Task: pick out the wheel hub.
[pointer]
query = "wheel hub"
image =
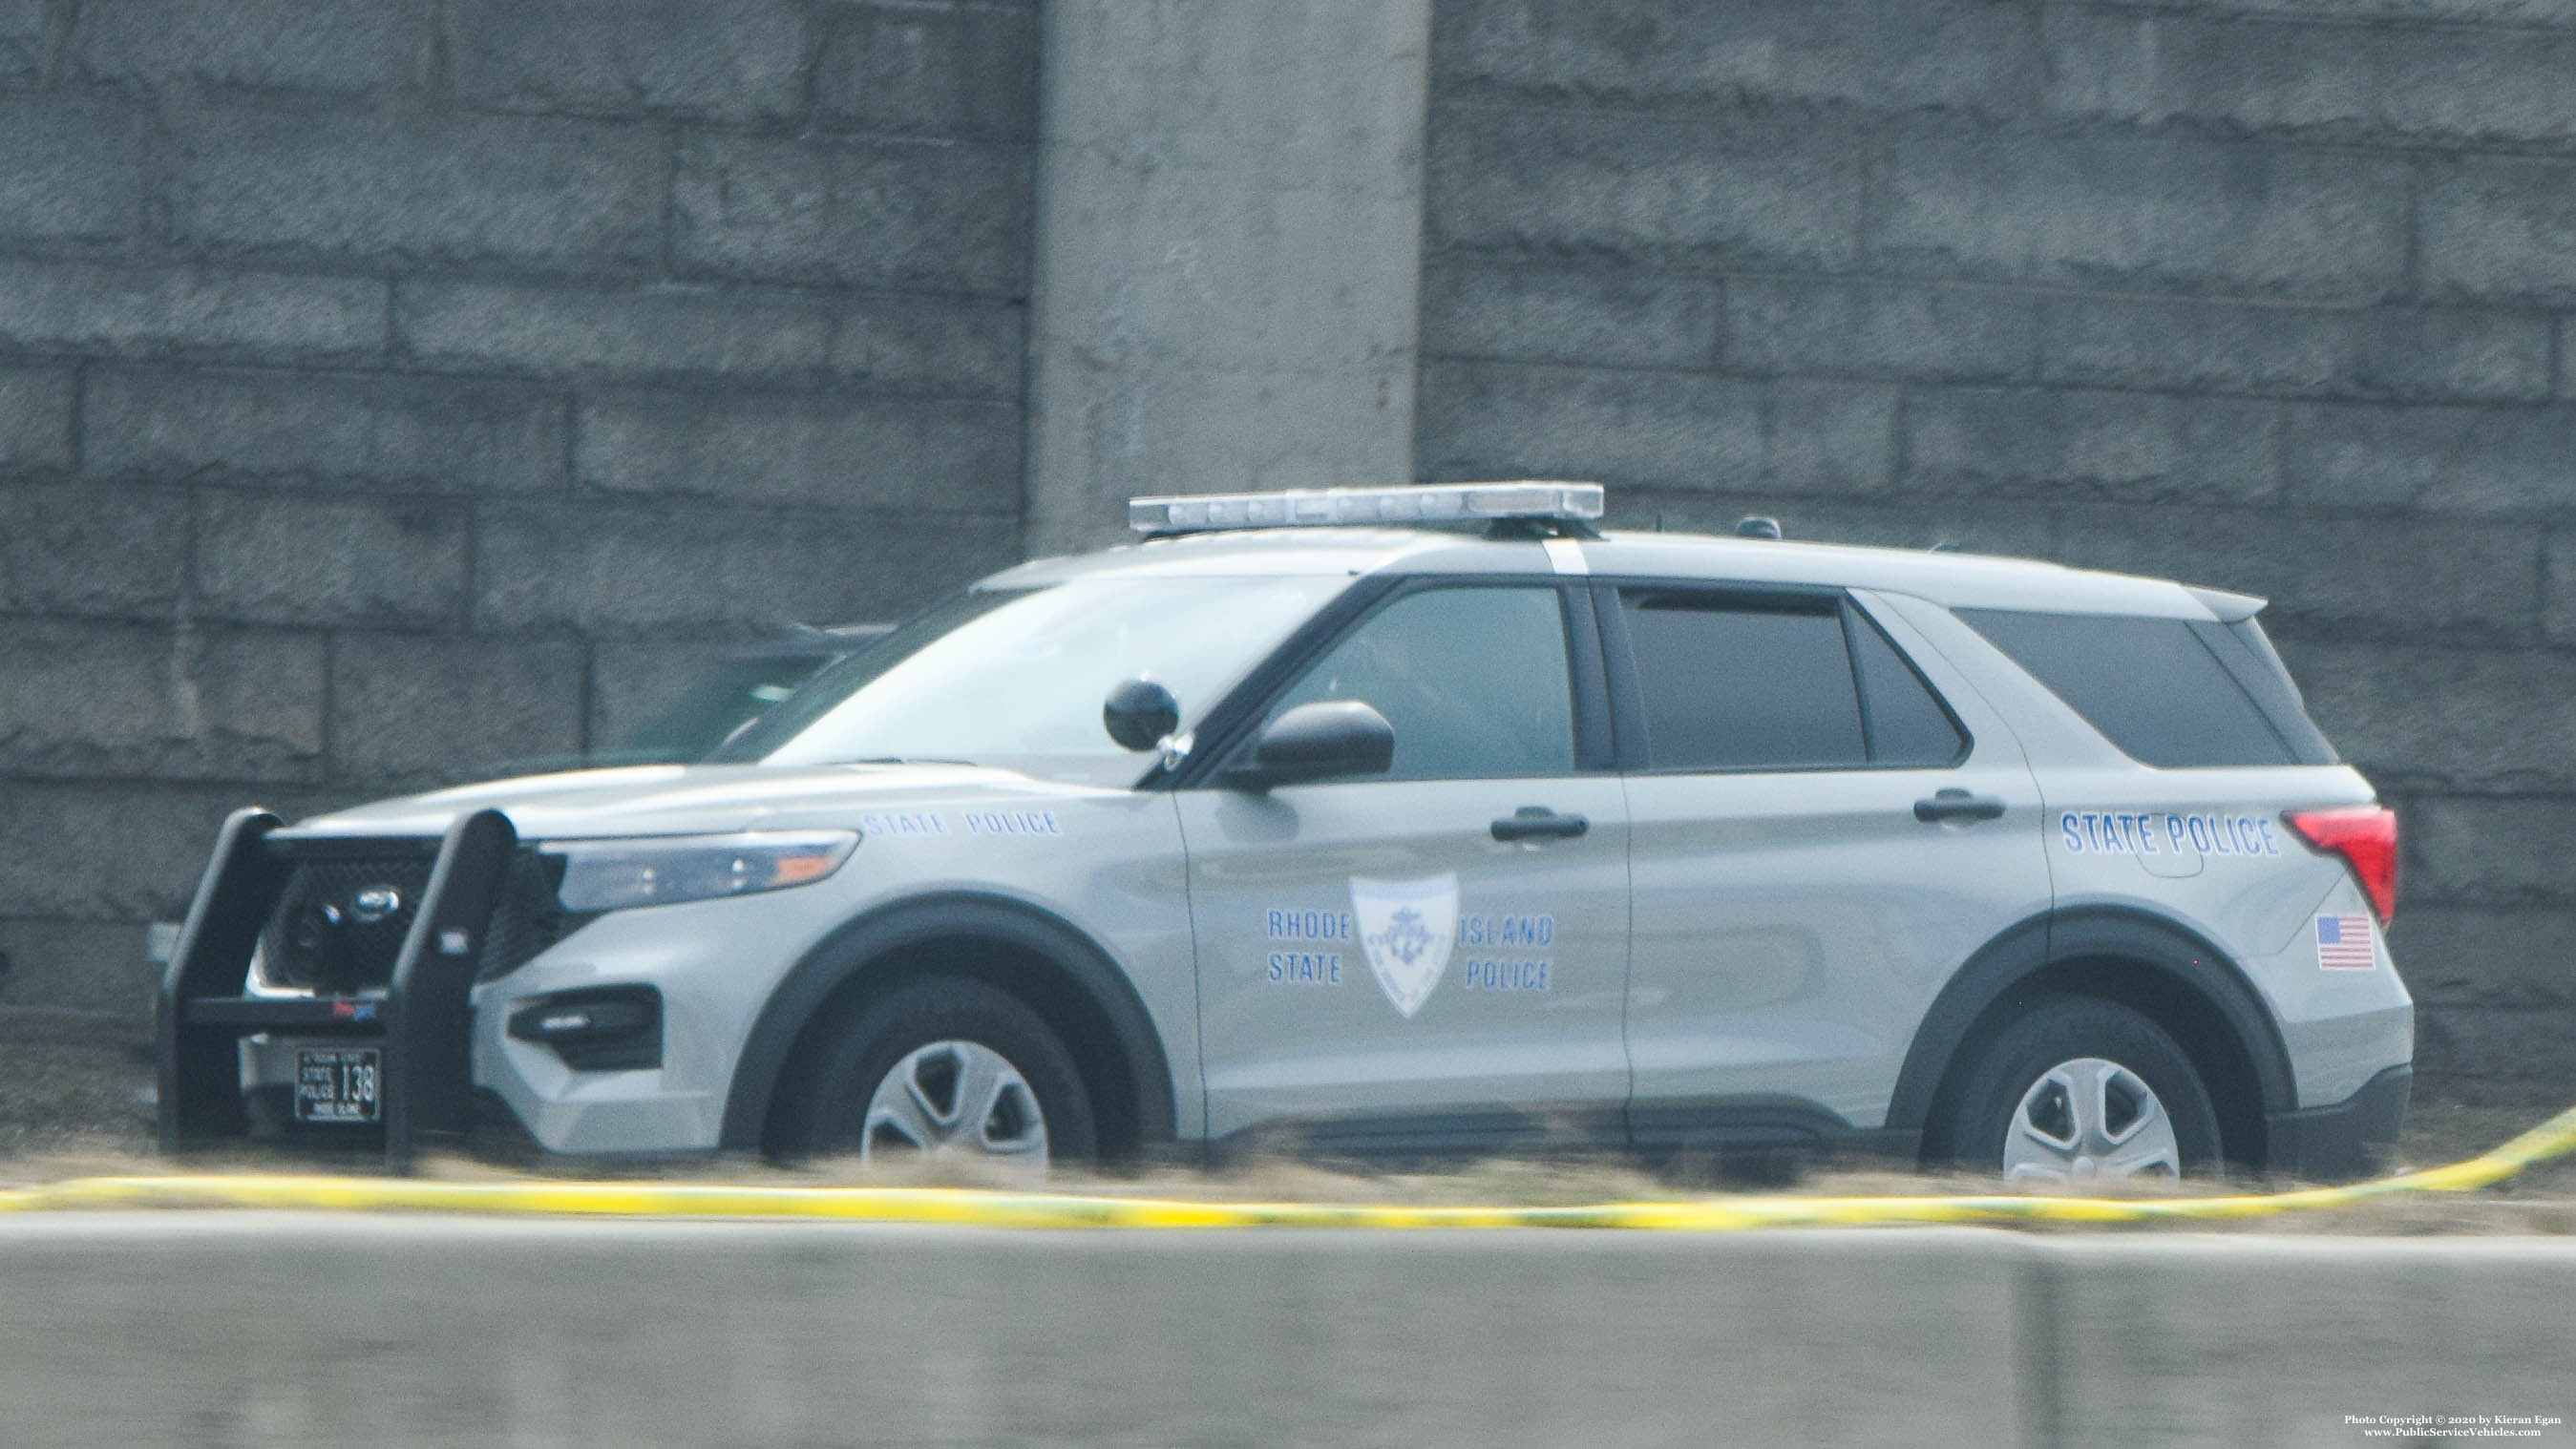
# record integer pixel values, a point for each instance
(2090, 1120)
(955, 1101)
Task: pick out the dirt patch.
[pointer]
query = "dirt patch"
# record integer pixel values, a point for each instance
(76, 1099)
(73, 1085)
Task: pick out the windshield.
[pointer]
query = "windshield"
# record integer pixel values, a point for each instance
(1016, 677)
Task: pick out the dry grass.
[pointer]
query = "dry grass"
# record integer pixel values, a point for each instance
(75, 1101)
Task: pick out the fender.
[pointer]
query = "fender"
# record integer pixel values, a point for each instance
(2058, 938)
(849, 950)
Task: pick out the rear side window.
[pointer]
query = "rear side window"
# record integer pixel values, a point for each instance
(1737, 682)
(2160, 689)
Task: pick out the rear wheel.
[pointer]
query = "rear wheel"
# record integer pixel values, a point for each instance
(945, 1070)
(2079, 1091)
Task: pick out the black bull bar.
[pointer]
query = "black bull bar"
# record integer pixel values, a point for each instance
(423, 1025)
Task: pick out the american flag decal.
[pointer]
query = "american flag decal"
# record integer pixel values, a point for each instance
(2343, 943)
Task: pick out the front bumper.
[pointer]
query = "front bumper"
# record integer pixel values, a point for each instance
(2351, 1139)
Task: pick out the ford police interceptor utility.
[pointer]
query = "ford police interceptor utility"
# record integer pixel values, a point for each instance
(1410, 820)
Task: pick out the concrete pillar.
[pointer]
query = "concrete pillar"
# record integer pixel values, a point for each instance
(1228, 262)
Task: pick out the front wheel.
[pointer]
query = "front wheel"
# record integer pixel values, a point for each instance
(2079, 1091)
(945, 1070)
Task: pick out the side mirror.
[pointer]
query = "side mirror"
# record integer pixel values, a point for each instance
(1318, 741)
(1139, 713)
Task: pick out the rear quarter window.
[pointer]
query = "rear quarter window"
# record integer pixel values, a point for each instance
(2159, 688)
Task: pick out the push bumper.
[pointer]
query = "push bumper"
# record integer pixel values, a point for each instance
(2350, 1139)
(417, 1032)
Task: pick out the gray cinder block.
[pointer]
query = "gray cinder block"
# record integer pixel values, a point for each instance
(294, 45)
(300, 558)
(409, 708)
(2291, 349)
(735, 60)
(353, 430)
(1682, 187)
(965, 70)
(417, 186)
(83, 698)
(1605, 316)
(71, 168)
(2475, 460)
(90, 549)
(615, 568)
(867, 211)
(849, 452)
(1911, 330)
(2130, 446)
(188, 309)
(2145, 211)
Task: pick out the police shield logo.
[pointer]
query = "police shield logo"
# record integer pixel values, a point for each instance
(1407, 927)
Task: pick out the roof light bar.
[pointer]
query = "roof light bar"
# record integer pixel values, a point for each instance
(1312, 507)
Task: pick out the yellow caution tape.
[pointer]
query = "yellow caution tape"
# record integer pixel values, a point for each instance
(2552, 1138)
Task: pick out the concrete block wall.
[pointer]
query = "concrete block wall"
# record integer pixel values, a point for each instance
(392, 385)
(2268, 294)
(389, 386)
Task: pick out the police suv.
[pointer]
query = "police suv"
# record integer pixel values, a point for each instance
(1419, 820)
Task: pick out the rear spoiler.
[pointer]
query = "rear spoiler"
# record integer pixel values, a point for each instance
(2230, 608)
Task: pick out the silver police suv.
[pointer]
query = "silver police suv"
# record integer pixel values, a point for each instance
(1414, 821)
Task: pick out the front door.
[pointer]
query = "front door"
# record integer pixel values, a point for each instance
(1434, 959)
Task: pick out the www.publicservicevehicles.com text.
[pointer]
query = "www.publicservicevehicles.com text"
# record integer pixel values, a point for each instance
(2452, 1426)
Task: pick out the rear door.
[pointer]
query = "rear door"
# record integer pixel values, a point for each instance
(1379, 966)
(1825, 823)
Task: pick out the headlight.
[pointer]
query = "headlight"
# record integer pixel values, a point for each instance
(611, 875)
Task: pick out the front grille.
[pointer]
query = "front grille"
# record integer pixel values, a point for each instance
(321, 938)
(530, 917)
(330, 935)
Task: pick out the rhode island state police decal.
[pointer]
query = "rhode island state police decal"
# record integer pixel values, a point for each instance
(1407, 927)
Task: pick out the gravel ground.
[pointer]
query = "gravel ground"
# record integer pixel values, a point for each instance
(73, 1085)
(76, 1099)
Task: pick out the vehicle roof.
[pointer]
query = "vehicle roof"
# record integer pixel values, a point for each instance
(1954, 580)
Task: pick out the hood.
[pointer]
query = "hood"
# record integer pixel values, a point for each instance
(684, 799)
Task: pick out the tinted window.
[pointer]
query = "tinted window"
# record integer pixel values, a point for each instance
(1908, 727)
(1743, 684)
(1474, 680)
(2149, 685)
(2250, 657)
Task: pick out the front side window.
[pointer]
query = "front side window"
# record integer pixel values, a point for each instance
(1474, 680)
(1016, 678)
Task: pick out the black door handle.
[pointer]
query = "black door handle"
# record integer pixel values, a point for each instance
(1534, 822)
(1957, 805)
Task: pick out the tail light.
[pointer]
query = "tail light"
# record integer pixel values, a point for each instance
(2366, 837)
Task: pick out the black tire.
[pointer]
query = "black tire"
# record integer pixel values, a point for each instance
(828, 1108)
(1988, 1089)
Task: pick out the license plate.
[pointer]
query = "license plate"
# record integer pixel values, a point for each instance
(337, 1084)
